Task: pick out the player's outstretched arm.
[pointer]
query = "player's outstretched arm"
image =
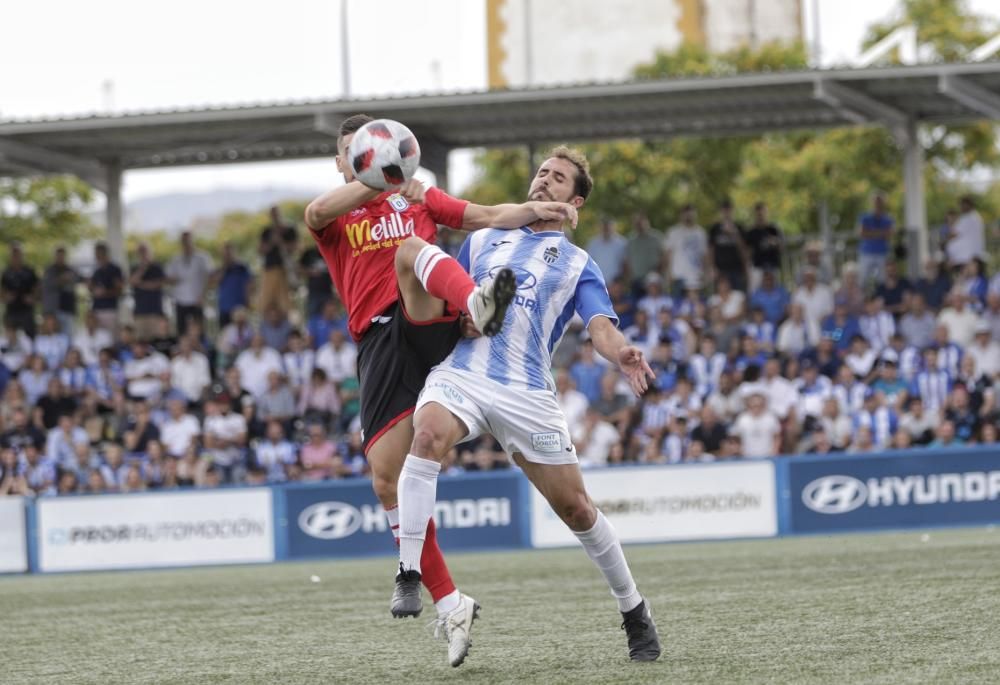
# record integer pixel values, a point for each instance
(337, 202)
(611, 344)
(515, 216)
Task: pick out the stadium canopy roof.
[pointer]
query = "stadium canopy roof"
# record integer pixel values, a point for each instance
(99, 147)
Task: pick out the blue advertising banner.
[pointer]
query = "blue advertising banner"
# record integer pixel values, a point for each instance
(344, 519)
(916, 488)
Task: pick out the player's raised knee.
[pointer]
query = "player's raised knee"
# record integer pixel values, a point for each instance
(406, 254)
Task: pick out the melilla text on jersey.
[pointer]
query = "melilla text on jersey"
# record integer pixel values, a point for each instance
(388, 231)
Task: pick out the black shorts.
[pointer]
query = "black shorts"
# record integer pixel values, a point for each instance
(394, 359)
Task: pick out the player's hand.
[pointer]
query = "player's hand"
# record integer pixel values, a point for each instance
(633, 364)
(413, 190)
(557, 211)
(468, 328)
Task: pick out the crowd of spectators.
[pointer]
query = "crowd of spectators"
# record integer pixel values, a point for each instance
(215, 375)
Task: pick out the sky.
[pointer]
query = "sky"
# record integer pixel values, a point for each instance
(59, 56)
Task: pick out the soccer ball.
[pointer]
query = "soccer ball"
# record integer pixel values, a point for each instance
(383, 154)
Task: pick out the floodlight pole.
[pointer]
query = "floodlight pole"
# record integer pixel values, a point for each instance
(345, 53)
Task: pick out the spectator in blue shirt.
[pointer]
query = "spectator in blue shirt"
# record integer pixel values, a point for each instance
(875, 230)
(234, 282)
(840, 327)
(772, 297)
(587, 372)
(332, 319)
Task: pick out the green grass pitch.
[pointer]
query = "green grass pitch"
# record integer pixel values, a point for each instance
(883, 608)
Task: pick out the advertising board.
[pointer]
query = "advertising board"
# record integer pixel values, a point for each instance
(154, 530)
(657, 504)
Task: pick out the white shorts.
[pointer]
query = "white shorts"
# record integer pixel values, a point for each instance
(526, 421)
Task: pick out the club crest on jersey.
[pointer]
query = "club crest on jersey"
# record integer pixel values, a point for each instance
(550, 255)
(398, 202)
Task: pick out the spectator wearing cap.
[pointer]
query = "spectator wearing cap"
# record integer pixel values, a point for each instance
(907, 357)
(985, 352)
(917, 324)
(815, 297)
(685, 249)
(766, 243)
(728, 253)
(188, 273)
(181, 429)
(934, 285)
(876, 417)
(757, 428)
(654, 298)
(876, 324)
(147, 279)
(895, 290)
(771, 297)
(812, 388)
(875, 230)
(19, 290)
(931, 384)
(893, 388)
(958, 318)
(608, 250)
(813, 257)
(968, 236)
(644, 253)
(840, 327)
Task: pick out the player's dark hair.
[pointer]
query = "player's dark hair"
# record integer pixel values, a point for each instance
(352, 123)
(583, 183)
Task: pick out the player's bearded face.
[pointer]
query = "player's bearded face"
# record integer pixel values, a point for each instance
(554, 181)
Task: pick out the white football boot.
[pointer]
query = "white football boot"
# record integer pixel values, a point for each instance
(489, 301)
(457, 629)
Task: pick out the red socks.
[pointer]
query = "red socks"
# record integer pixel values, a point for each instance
(444, 278)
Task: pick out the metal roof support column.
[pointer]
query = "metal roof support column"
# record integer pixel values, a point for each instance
(113, 213)
(914, 207)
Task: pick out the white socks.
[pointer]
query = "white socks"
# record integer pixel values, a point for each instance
(426, 260)
(417, 494)
(393, 517)
(602, 546)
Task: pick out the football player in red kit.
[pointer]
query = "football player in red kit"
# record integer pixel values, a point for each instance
(400, 331)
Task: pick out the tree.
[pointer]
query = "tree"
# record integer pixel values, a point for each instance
(792, 171)
(43, 212)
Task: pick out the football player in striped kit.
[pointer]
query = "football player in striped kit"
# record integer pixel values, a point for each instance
(502, 385)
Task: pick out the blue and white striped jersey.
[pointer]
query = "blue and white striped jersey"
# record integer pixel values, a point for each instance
(555, 280)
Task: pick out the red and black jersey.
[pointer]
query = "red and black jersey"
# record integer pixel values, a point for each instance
(359, 248)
